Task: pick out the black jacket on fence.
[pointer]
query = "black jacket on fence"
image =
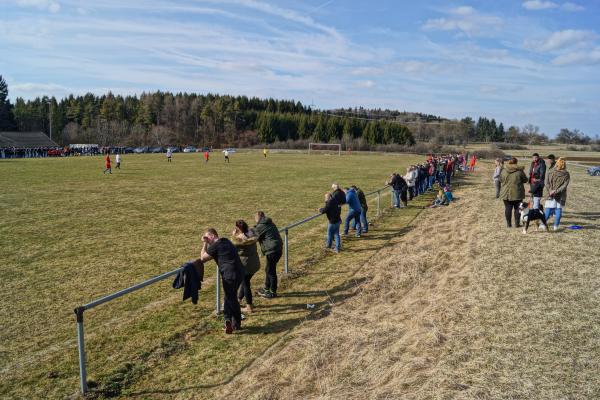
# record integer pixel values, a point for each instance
(332, 210)
(190, 278)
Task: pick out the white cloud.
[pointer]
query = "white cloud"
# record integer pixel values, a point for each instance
(467, 20)
(539, 5)
(365, 84)
(45, 5)
(572, 7)
(39, 87)
(535, 5)
(591, 57)
(562, 40)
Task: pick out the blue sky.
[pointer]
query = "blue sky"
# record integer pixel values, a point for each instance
(520, 62)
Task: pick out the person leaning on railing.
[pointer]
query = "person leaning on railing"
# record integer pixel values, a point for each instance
(333, 211)
(232, 274)
(245, 240)
(271, 246)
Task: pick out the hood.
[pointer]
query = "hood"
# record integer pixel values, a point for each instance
(243, 240)
(265, 220)
(510, 168)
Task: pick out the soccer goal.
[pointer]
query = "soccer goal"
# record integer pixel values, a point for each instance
(325, 148)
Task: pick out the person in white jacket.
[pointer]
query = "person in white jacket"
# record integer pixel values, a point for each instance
(411, 179)
(118, 160)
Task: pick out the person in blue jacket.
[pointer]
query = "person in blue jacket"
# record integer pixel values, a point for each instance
(354, 211)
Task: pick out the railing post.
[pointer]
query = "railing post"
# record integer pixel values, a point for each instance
(286, 251)
(81, 346)
(378, 202)
(218, 293)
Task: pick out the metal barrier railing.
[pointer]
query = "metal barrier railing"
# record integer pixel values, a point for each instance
(81, 309)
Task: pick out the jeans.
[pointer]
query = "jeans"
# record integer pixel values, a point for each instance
(441, 177)
(448, 177)
(246, 290)
(353, 214)
(363, 221)
(509, 208)
(536, 202)
(557, 212)
(333, 232)
(497, 185)
(271, 271)
(396, 194)
(431, 181)
(231, 307)
(411, 192)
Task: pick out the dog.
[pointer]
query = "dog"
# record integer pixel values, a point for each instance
(532, 214)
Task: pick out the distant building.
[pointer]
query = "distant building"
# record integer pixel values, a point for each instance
(26, 140)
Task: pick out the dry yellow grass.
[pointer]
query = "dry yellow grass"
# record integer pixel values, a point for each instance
(460, 307)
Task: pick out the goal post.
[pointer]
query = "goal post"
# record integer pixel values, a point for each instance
(325, 147)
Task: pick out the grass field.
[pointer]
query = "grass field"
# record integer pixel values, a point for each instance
(69, 234)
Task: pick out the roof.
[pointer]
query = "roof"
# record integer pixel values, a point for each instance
(25, 139)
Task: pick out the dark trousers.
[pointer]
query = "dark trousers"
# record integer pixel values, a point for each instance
(231, 307)
(246, 290)
(497, 184)
(271, 271)
(511, 207)
(404, 197)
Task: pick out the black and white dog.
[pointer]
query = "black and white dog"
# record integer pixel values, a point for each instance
(532, 214)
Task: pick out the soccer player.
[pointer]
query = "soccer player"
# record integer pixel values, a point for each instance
(226, 154)
(169, 155)
(118, 160)
(205, 156)
(107, 160)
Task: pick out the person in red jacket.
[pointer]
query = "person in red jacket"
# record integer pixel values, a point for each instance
(472, 163)
(205, 156)
(108, 164)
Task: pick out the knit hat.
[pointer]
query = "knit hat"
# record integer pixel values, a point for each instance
(561, 164)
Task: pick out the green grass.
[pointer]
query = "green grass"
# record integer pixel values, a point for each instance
(69, 234)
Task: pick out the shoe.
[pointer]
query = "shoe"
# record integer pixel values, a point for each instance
(542, 228)
(357, 236)
(262, 291)
(524, 231)
(269, 295)
(228, 327)
(243, 317)
(509, 225)
(555, 228)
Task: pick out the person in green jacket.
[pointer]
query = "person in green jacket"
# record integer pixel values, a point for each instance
(245, 239)
(271, 246)
(512, 190)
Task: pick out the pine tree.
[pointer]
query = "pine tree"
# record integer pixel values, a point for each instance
(6, 118)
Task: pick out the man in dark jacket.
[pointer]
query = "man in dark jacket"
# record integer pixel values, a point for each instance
(365, 207)
(399, 187)
(537, 176)
(338, 194)
(271, 246)
(333, 211)
(232, 274)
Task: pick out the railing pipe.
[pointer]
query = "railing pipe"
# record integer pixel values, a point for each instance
(286, 251)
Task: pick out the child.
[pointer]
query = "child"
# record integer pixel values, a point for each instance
(205, 156)
(118, 160)
(440, 200)
(448, 194)
(169, 155)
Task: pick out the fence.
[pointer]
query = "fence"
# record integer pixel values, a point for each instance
(81, 309)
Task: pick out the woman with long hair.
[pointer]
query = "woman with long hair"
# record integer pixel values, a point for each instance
(245, 241)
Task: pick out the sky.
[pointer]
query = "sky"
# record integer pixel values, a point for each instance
(520, 62)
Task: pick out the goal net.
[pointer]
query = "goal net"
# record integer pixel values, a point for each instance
(325, 148)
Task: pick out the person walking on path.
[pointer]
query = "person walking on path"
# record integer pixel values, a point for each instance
(245, 241)
(354, 211)
(333, 211)
(512, 191)
(537, 175)
(558, 181)
(496, 176)
(271, 246)
(232, 274)
(107, 164)
(118, 161)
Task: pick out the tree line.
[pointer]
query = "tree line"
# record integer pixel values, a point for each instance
(164, 118)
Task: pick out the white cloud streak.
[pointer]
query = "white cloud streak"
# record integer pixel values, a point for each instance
(467, 20)
(44, 5)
